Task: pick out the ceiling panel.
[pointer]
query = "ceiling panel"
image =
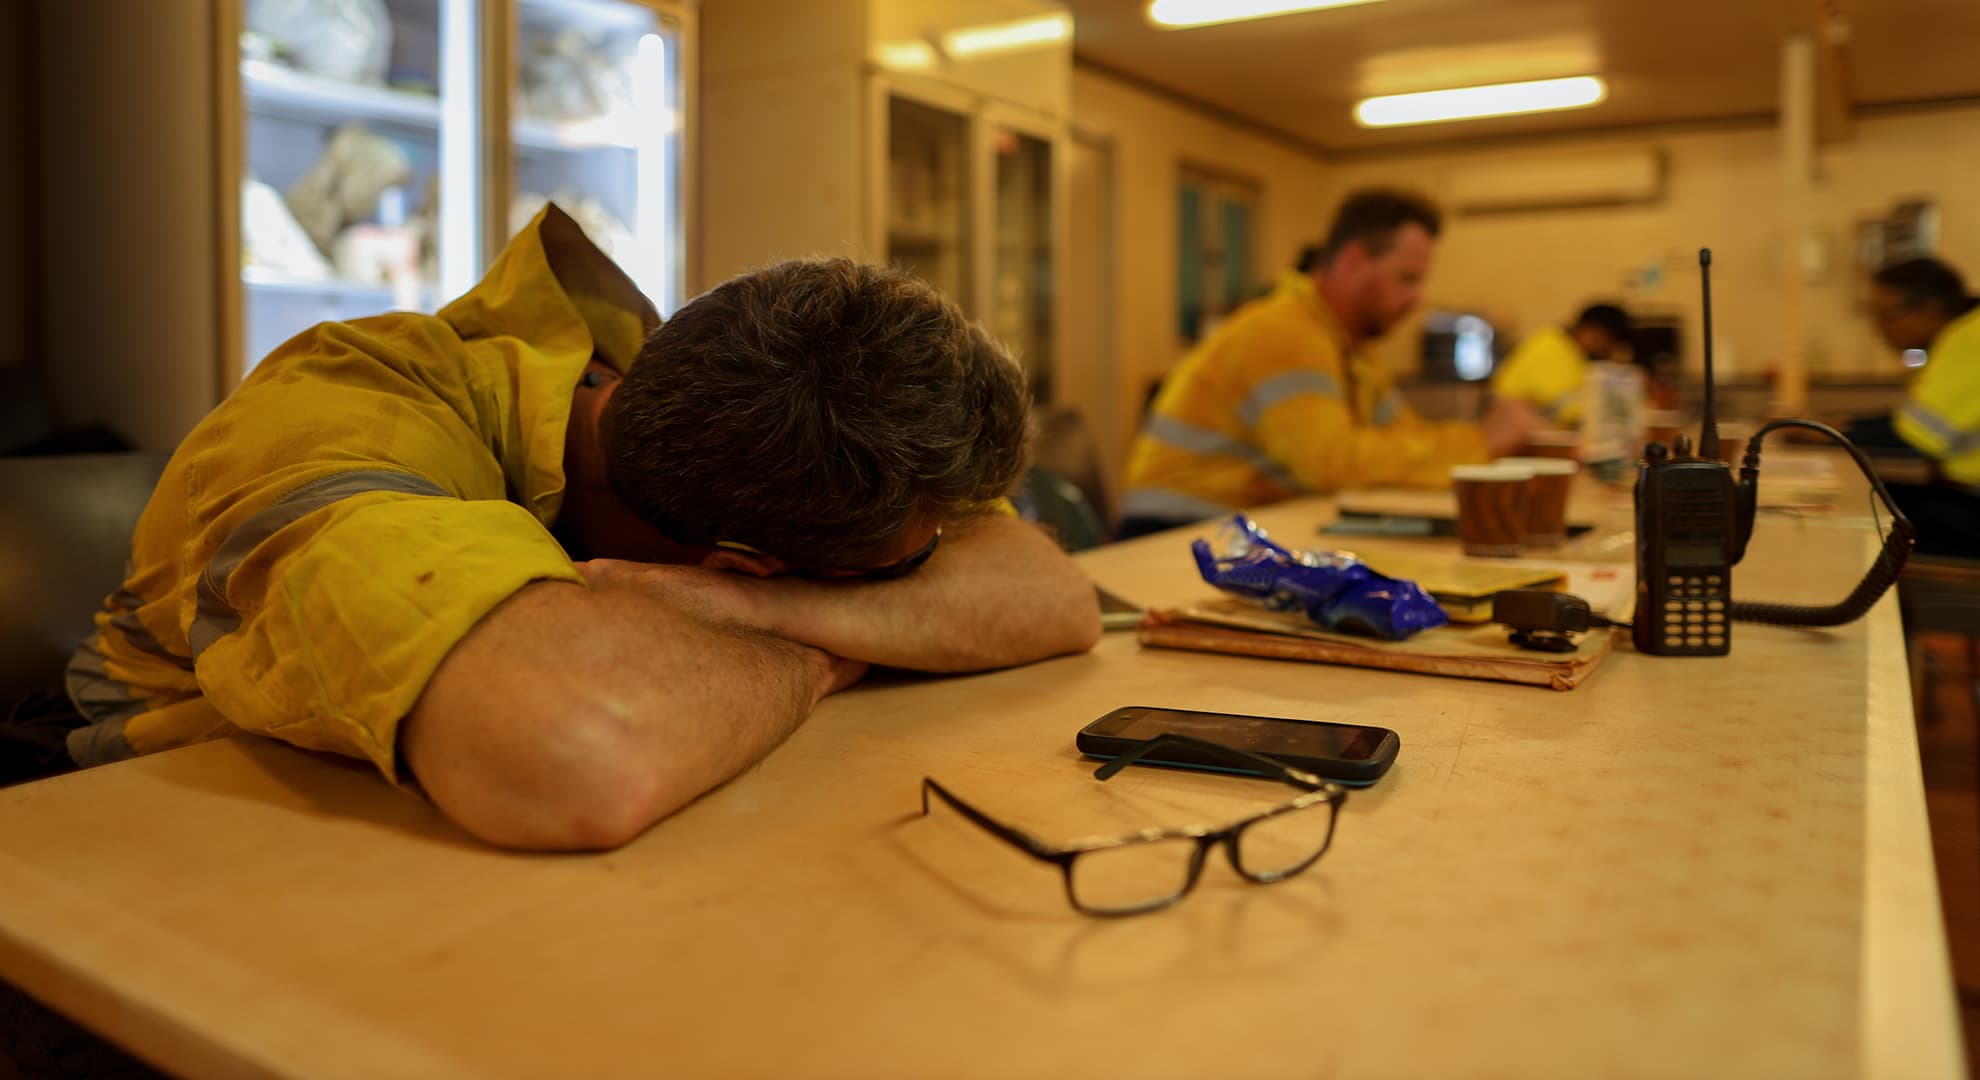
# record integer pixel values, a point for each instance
(1675, 60)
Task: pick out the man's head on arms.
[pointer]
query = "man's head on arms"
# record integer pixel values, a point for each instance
(1377, 255)
(1911, 301)
(829, 414)
(1600, 330)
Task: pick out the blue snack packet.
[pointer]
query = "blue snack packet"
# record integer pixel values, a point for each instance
(1336, 590)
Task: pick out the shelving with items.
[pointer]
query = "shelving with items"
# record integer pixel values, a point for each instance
(370, 127)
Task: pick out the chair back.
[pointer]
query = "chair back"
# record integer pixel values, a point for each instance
(1066, 448)
(65, 538)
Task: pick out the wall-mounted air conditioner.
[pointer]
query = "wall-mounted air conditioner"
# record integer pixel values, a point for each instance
(1554, 181)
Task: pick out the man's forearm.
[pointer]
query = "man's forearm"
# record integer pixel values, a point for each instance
(997, 593)
(575, 718)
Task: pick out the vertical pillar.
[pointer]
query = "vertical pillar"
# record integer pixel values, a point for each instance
(1798, 100)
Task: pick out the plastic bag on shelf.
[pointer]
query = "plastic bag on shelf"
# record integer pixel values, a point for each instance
(572, 75)
(271, 238)
(342, 187)
(347, 40)
(382, 255)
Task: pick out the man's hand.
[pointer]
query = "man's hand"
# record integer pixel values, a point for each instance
(998, 592)
(1509, 424)
(716, 597)
(709, 595)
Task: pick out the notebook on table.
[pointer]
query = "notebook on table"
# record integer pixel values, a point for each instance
(1404, 513)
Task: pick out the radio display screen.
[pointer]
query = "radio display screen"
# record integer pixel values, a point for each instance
(1694, 555)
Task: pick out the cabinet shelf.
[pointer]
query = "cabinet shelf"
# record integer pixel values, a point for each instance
(573, 136)
(597, 16)
(273, 284)
(275, 91)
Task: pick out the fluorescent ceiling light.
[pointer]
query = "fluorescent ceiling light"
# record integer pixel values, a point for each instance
(1005, 37)
(1176, 14)
(1406, 71)
(906, 55)
(1469, 102)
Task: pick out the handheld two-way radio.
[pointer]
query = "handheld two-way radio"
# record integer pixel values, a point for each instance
(1689, 533)
(1693, 522)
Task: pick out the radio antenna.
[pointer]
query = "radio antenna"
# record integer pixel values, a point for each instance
(1708, 433)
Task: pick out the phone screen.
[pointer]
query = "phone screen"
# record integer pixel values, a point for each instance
(1259, 734)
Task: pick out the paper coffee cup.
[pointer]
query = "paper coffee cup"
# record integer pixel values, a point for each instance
(1491, 502)
(1546, 499)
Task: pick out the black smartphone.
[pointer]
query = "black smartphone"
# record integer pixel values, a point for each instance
(1354, 754)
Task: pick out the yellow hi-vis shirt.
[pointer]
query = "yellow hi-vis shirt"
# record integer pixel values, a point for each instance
(323, 538)
(1941, 415)
(1275, 404)
(1547, 369)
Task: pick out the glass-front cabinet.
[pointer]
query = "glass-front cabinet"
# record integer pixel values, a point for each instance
(928, 186)
(370, 130)
(971, 206)
(598, 109)
(1023, 283)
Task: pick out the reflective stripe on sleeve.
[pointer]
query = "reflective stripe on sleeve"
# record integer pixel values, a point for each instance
(1189, 438)
(214, 617)
(1281, 387)
(102, 700)
(1957, 442)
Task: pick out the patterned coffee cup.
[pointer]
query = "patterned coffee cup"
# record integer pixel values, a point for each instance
(1491, 503)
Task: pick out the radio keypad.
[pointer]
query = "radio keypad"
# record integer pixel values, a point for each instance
(1697, 617)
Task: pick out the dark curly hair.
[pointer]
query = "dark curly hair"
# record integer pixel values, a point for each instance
(1923, 281)
(813, 409)
(1372, 216)
(1609, 319)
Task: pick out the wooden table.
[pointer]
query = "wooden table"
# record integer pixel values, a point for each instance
(1685, 868)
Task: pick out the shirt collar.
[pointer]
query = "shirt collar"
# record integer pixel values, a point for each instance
(553, 288)
(1298, 287)
(562, 300)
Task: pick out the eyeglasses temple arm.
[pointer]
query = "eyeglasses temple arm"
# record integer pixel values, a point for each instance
(1017, 838)
(1272, 766)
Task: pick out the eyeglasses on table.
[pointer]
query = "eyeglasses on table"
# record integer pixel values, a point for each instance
(1152, 869)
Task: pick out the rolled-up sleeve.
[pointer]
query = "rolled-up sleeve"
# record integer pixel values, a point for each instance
(374, 488)
(353, 519)
(323, 616)
(1305, 425)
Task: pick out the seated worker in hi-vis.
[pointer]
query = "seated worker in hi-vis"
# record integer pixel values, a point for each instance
(1549, 368)
(1284, 399)
(1923, 305)
(566, 567)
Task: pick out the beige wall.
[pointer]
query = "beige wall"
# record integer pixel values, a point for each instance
(128, 202)
(1533, 268)
(127, 228)
(1723, 191)
(18, 314)
(1152, 138)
